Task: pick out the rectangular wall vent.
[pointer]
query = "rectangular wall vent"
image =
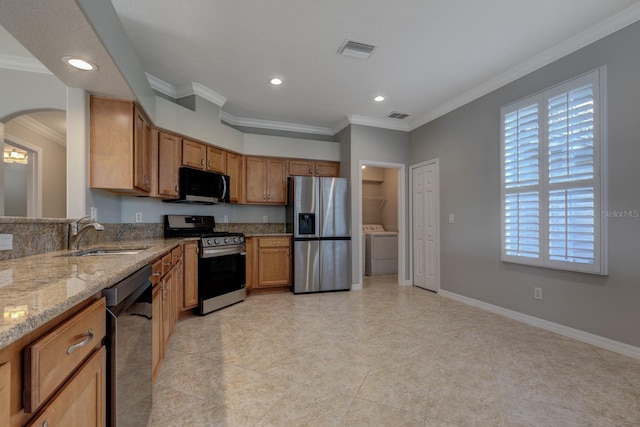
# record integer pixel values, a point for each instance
(396, 115)
(356, 49)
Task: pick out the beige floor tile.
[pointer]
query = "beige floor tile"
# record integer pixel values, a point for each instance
(387, 355)
(365, 413)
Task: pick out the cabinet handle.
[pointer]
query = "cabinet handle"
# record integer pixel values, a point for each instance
(45, 423)
(87, 340)
(310, 171)
(274, 243)
(177, 188)
(157, 274)
(201, 162)
(209, 163)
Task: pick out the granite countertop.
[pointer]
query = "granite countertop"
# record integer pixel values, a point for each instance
(38, 288)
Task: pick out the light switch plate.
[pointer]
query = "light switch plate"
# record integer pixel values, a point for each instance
(6, 242)
(452, 218)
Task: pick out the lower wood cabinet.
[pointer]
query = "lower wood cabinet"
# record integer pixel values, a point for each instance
(269, 263)
(5, 394)
(190, 294)
(82, 400)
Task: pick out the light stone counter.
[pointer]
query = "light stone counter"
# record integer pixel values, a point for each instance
(268, 235)
(46, 285)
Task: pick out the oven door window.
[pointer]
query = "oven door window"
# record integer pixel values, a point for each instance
(220, 275)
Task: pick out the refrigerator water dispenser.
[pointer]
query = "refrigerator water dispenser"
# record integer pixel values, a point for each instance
(306, 223)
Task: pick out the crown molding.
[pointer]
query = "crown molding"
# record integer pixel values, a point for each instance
(591, 35)
(208, 94)
(22, 63)
(392, 124)
(341, 125)
(268, 124)
(161, 86)
(37, 127)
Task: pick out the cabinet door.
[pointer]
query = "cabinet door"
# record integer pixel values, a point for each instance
(300, 168)
(193, 154)
(329, 169)
(157, 339)
(82, 401)
(277, 182)
(274, 267)
(190, 296)
(256, 180)
(141, 152)
(236, 174)
(5, 394)
(216, 160)
(169, 161)
(167, 303)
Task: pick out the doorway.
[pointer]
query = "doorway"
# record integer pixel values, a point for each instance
(425, 224)
(20, 169)
(382, 205)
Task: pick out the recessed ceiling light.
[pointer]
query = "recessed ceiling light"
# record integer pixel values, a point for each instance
(275, 81)
(79, 63)
(379, 98)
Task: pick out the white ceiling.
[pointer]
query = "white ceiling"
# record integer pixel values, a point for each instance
(431, 56)
(428, 52)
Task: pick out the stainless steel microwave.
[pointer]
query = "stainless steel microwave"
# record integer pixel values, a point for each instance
(201, 187)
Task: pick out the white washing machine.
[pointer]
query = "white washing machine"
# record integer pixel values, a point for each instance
(380, 250)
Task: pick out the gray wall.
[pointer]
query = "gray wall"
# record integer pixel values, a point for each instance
(15, 189)
(467, 143)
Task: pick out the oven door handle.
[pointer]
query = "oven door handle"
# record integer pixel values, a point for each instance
(213, 252)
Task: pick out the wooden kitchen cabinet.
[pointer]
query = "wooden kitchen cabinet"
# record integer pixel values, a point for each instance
(313, 168)
(266, 181)
(235, 170)
(82, 401)
(5, 394)
(202, 156)
(190, 295)
(169, 162)
(268, 263)
(216, 160)
(120, 157)
(168, 279)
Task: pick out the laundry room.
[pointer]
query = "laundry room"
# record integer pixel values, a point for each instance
(380, 220)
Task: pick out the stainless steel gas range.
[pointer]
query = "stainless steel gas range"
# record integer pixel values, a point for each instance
(221, 263)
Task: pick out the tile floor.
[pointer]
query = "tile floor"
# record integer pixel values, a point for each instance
(385, 356)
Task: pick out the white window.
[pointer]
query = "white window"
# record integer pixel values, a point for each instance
(552, 177)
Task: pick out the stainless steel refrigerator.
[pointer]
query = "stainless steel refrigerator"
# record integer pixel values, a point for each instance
(319, 216)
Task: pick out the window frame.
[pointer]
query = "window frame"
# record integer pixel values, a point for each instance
(596, 77)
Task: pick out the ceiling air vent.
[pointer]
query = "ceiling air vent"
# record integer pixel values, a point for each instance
(356, 49)
(396, 115)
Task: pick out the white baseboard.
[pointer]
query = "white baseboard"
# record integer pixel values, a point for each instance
(356, 286)
(598, 341)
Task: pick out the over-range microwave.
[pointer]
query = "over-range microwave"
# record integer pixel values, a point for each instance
(201, 187)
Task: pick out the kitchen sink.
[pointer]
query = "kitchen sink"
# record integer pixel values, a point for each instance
(105, 251)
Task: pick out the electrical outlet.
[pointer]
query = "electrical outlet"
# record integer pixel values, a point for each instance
(93, 213)
(452, 218)
(537, 293)
(6, 242)
(138, 216)
(265, 218)
(226, 218)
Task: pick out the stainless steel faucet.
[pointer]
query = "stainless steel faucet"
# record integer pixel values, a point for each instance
(76, 232)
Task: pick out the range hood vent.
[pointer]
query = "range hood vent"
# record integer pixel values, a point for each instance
(396, 115)
(356, 49)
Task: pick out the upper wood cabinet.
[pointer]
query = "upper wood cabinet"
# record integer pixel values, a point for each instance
(266, 181)
(194, 154)
(216, 160)
(313, 168)
(235, 170)
(169, 162)
(202, 156)
(120, 147)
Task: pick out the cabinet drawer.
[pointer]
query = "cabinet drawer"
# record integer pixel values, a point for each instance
(176, 254)
(53, 357)
(273, 242)
(166, 263)
(156, 271)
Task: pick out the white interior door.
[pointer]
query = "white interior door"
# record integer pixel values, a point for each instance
(426, 245)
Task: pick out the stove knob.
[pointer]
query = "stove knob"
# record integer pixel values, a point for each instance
(235, 240)
(226, 240)
(216, 241)
(208, 242)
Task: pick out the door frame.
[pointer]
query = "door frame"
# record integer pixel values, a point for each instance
(34, 174)
(402, 218)
(436, 162)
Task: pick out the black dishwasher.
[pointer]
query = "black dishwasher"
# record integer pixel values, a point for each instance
(129, 350)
